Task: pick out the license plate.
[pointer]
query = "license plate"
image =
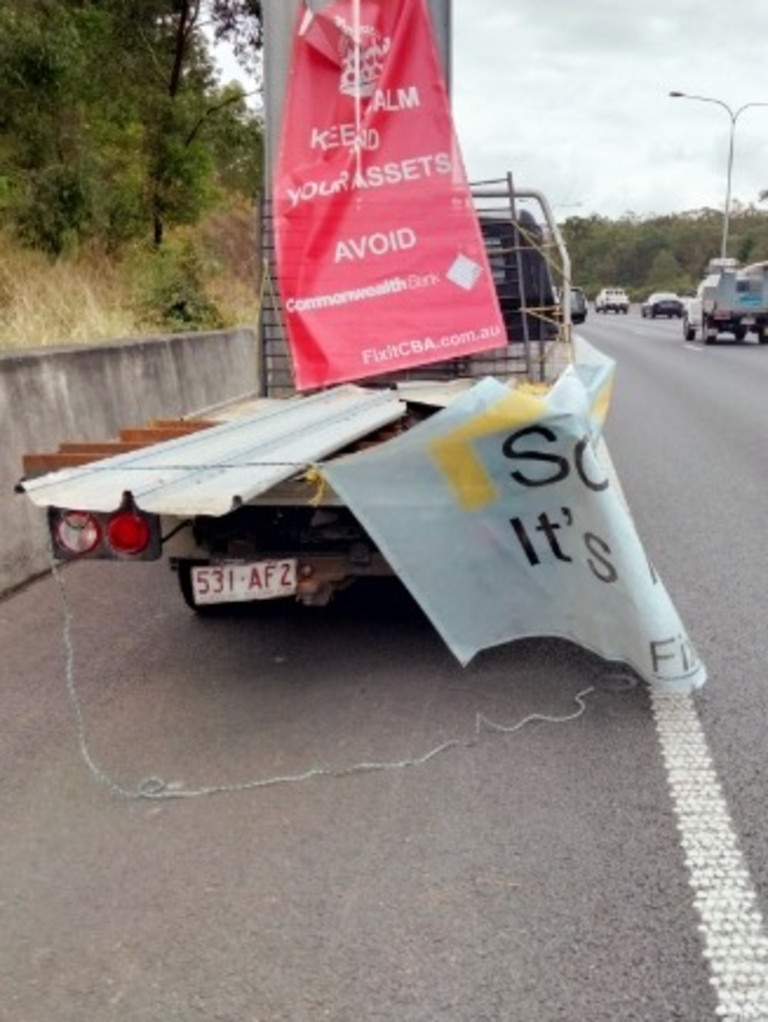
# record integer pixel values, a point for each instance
(239, 583)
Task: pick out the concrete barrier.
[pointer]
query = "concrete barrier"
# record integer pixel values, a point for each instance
(51, 395)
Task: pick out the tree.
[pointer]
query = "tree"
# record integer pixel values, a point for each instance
(239, 22)
(664, 273)
(107, 116)
(43, 158)
(179, 95)
(668, 253)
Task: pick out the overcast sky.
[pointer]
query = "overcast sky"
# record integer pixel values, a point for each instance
(571, 96)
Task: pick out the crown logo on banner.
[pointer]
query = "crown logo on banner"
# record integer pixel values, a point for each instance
(372, 49)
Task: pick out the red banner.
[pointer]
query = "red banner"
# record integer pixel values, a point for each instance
(381, 263)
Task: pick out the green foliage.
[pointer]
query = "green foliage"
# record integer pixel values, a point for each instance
(180, 173)
(53, 211)
(112, 125)
(239, 22)
(235, 140)
(665, 273)
(660, 253)
(170, 281)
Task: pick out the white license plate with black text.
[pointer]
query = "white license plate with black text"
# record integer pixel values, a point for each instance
(239, 583)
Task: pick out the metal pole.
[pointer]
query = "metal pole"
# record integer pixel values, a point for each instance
(733, 116)
(727, 208)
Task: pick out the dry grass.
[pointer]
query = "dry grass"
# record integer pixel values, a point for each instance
(90, 297)
(44, 303)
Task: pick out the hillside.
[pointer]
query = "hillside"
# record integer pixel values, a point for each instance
(206, 277)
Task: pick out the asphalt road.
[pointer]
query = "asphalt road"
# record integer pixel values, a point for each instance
(321, 864)
(686, 435)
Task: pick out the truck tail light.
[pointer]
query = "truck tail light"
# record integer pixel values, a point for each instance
(125, 534)
(76, 533)
(128, 533)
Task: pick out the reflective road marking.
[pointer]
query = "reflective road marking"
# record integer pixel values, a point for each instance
(732, 926)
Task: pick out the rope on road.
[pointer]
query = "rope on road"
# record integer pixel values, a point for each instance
(156, 788)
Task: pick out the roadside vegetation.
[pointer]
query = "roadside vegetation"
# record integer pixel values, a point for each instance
(205, 277)
(661, 253)
(129, 174)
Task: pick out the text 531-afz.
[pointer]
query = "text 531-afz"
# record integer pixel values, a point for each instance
(238, 583)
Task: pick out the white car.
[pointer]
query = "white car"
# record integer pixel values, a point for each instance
(612, 299)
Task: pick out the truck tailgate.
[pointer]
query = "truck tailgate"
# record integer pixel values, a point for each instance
(212, 471)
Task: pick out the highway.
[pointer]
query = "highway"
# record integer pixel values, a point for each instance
(297, 815)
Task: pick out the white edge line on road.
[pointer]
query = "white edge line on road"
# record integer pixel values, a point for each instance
(732, 926)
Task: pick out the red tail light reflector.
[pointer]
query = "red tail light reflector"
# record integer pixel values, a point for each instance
(128, 533)
(125, 534)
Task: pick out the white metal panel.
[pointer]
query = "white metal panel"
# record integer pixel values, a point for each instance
(214, 470)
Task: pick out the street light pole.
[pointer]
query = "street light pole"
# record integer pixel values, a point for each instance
(733, 116)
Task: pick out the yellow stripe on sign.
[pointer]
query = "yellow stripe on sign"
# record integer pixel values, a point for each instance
(599, 407)
(456, 459)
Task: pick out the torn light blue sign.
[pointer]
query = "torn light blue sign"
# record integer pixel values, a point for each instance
(502, 518)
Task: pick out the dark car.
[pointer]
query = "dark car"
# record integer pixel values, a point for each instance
(578, 305)
(663, 303)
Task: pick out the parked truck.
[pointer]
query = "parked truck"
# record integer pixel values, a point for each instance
(729, 300)
(231, 497)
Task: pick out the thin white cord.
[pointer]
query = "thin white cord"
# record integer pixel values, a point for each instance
(157, 788)
(358, 107)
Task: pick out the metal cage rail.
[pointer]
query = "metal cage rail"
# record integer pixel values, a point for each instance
(531, 270)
